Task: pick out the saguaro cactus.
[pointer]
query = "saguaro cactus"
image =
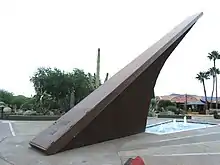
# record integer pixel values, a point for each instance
(97, 78)
(97, 75)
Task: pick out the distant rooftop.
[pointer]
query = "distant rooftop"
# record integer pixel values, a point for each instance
(191, 99)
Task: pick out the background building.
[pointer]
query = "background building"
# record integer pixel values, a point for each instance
(193, 103)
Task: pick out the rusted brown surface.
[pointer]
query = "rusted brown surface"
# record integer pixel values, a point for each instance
(119, 107)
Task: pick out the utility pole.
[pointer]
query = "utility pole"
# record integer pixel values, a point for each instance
(186, 102)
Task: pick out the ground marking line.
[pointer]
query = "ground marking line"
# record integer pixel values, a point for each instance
(189, 154)
(186, 144)
(141, 151)
(185, 137)
(7, 121)
(8, 162)
(11, 129)
(175, 138)
(10, 126)
(3, 139)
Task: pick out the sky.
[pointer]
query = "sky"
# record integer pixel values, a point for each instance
(67, 33)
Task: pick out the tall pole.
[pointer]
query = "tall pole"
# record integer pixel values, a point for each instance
(186, 102)
(216, 95)
(2, 112)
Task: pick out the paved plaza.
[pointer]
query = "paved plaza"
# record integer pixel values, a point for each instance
(201, 146)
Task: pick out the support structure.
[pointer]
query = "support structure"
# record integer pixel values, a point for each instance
(119, 107)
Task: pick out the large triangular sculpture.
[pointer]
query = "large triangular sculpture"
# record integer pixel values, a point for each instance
(119, 107)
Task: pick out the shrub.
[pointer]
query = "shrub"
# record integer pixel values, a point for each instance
(31, 118)
(216, 115)
(174, 116)
(7, 110)
(19, 112)
(151, 113)
(152, 107)
(166, 113)
(29, 113)
(172, 109)
(183, 112)
(163, 104)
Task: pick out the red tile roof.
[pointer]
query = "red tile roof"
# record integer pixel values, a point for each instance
(181, 98)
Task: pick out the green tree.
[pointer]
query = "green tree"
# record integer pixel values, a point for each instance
(55, 86)
(152, 107)
(19, 100)
(92, 81)
(6, 96)
(213, 56)
(82, 84)
(202, 76)
(52, 85)
(29, 104)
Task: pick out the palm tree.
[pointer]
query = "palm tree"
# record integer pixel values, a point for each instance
(202, 76)
(217, 72)
(213, 72)
(213, 56)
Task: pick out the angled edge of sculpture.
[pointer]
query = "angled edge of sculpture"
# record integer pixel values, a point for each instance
(119, 107)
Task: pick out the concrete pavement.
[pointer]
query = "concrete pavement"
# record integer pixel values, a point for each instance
(200, 146)
(4, 130)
